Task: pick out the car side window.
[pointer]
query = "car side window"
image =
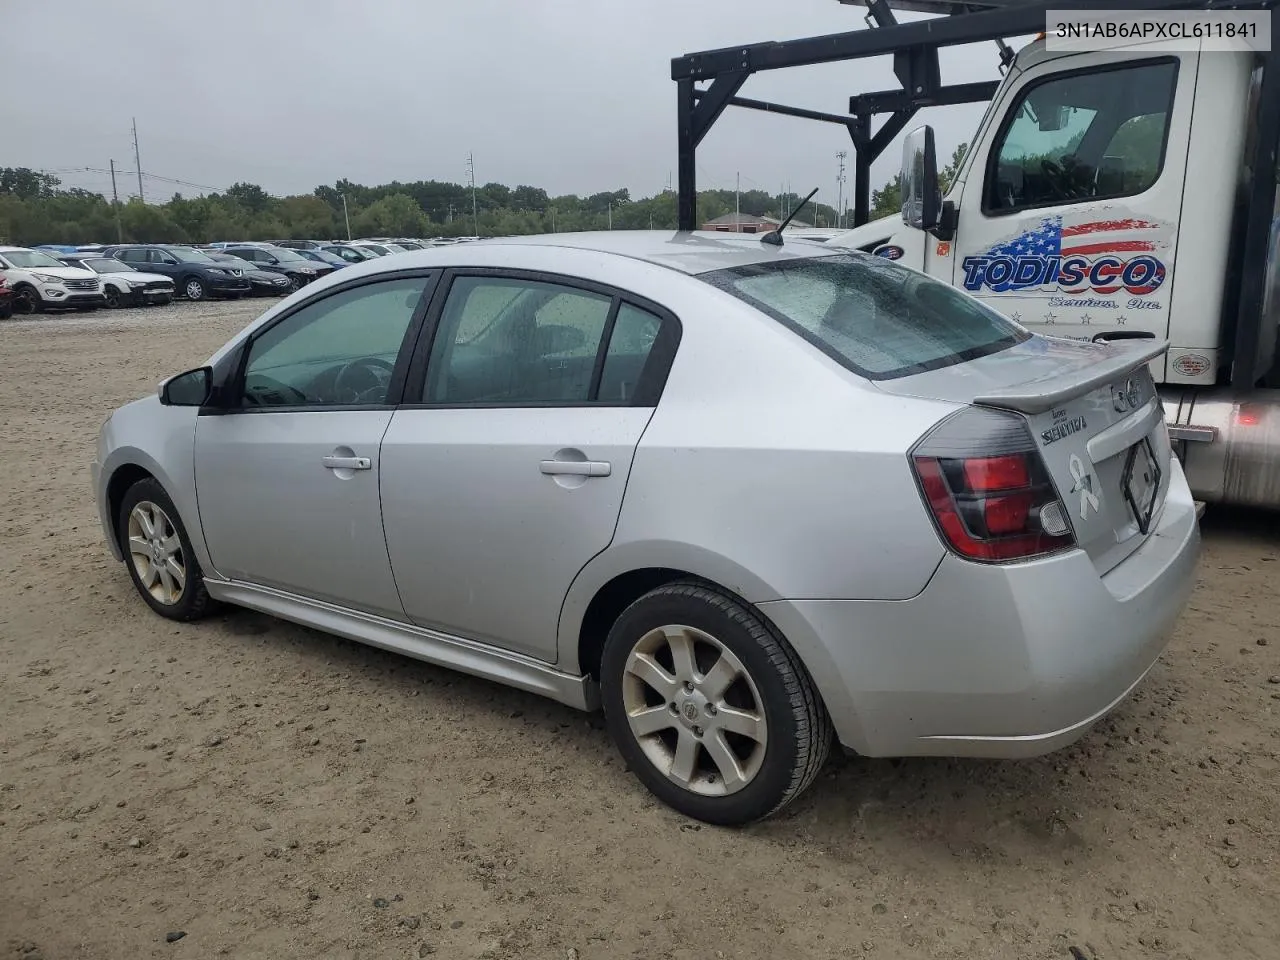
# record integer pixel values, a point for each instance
(1084, 136)
(506, 341)
(634, 333)
(133, 256)
(336, 351)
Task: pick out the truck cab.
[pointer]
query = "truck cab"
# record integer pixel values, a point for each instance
(1097, 200)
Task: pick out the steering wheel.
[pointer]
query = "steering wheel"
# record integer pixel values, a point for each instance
(1057, 176)
(374, 371)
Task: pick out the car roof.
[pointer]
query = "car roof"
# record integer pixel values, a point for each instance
(691, 252)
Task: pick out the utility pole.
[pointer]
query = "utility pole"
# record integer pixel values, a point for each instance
(471, 173)
(137, 159)
(737, 203)
(840, 186)
(610, 214)
(346, 216)
(115, 204)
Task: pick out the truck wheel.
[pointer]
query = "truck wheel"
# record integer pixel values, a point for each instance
(193, 287)
(710, 706)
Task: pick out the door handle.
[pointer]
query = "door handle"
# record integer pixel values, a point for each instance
(575, 468)
(347, 463)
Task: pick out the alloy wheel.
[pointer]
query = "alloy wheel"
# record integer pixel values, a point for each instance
(694, 710)
(26, 301)
(155, 550)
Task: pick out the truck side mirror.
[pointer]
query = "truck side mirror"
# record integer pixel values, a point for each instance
(921, 196)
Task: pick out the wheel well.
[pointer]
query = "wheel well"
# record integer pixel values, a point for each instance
(607, 605)
(120, 482)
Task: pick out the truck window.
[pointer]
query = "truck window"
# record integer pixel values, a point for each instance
(1089, 135)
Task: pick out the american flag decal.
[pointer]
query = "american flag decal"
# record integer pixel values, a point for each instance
(1104, 256)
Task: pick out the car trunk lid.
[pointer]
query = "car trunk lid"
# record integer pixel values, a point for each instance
(1093, 412)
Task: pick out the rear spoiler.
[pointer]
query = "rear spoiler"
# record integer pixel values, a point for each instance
(1041, 395)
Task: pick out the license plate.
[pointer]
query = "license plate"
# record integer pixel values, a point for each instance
(1141, 481)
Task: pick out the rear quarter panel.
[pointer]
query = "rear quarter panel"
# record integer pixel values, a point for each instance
(771, 470)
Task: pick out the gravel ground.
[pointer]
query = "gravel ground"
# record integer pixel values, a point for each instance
(268, 791)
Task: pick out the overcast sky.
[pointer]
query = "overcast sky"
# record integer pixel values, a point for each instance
(569, 95)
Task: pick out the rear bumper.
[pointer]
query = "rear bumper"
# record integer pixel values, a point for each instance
(995, 661)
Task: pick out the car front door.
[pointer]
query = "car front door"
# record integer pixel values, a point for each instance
(504, 470)
(287, 479)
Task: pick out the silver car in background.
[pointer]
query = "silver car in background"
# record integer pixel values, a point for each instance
(749, 499)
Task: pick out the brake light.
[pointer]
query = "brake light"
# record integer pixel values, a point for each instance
(986, 486)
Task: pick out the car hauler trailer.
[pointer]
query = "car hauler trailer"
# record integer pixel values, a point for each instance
(1119, 195)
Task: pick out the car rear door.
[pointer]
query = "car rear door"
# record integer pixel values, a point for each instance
(504, 470)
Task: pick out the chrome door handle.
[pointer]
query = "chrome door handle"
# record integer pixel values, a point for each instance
(347, 463)
(575, 468)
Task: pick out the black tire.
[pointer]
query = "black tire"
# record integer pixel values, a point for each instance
(113, 297)
(799, 732)
(26, 300)
(194, 601)
(193, 288)
(294, 282)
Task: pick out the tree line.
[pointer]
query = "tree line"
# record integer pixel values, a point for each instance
(35, 208)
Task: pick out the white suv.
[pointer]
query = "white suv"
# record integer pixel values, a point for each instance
(40, 282)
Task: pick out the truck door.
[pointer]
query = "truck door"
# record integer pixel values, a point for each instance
(1069, 217)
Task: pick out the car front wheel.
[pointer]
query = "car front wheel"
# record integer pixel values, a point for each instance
(26, 300)
(112, 296)
(158, 553)
(194, 289)
(710, 706)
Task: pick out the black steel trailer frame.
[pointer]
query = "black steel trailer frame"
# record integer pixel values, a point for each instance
(915, 47)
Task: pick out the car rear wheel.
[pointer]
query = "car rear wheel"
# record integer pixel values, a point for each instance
(194, 288)
(710, 706)
(158, 553)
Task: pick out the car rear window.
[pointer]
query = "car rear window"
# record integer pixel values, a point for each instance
(877, 318)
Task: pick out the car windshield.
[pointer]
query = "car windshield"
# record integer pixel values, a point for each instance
(877, 318)
(234, 262)
(30, 258)
(187, 255)
(106, 265)
(285, 255)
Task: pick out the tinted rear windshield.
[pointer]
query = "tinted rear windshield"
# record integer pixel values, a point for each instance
(871, 315)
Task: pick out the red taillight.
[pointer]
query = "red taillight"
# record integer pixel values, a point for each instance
(997, 473)
(993, 508)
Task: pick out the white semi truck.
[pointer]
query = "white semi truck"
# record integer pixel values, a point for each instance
(1119, 195)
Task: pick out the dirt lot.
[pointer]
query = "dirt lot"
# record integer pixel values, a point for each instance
(272, 792)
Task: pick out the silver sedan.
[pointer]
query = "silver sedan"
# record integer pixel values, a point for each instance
(751, 500)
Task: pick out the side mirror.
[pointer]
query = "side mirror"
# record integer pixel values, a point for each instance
(190, 389)
(921, 196)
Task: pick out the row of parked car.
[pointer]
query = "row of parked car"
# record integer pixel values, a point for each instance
(33, 280)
